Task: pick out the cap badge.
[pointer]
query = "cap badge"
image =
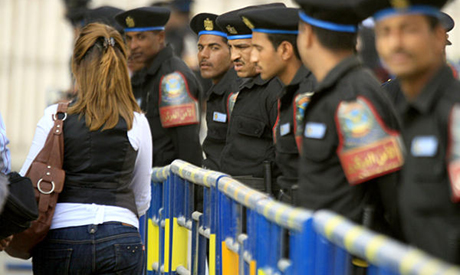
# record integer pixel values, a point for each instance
(130, 22)
(208, 25)
(400, 4)
(248, 23)
(231, 29)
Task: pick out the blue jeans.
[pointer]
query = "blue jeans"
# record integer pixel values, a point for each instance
(109, 248)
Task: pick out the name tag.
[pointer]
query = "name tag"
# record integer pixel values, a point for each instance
(219, 117)
(285, 129)
(424, 146)
(315, 130)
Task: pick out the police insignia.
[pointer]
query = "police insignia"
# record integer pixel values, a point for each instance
(208, 24)
(231, 103)
(367, 149)
(424, 146)
(219, 117)
(247, 22)
(453, 153)
(399, 4)
(130, 22)
(300, 104)
(177, 106)
(231, 29)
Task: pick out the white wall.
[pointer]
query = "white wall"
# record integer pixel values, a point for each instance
(36, 46)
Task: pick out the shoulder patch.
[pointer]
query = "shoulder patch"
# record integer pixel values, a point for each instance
(231, 103)
(300, 105)
(367, 148)
(453, 153)
(177, 106)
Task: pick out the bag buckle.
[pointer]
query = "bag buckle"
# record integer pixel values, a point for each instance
(56, 118)
(45, 192)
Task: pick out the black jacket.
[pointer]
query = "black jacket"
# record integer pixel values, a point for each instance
(289, 130)
(172, 142)
(217, 118)
(346, 122)
(250, 132)
(429, 217)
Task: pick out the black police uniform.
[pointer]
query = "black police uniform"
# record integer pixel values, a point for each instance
(430, 219)
(323, 182)
(351, 144)
(289, 130)
(179, 142)
(168, 93)
(217, 118)
(217, 115)
(250, 131)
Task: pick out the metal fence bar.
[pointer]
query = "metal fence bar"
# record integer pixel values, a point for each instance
(382, 252)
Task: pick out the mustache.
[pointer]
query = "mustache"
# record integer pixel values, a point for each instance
(239, 61)
(400, 51)
(205, 63)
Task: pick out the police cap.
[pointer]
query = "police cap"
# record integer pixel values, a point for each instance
(232, 24)
(339, 16)
(205, 23)
(278, 20)
(105, 15)
(381, 9)
(447, 22)
(144, 19)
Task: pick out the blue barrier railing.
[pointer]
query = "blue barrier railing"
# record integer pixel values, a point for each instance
(243, 231)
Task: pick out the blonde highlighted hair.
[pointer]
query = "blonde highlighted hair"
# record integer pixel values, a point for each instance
(99, 64)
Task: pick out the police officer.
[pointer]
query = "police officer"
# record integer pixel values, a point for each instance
(253, 113)
(410, 39)
(351, 141)
(275, 52)
(215, 64)
(165, 88)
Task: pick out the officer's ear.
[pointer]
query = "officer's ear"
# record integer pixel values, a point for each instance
(286, 50)
(161, 37)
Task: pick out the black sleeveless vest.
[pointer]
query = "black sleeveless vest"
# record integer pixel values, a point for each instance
(99, 165)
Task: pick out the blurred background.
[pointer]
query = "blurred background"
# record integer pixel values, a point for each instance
(35, 48)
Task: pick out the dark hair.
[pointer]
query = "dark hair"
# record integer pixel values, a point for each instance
(277, 39)
(104, 87)
(337, 41)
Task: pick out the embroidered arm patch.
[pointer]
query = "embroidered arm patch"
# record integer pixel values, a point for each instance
(367, 148)
(177, 106)
(454, 153)
(300, 104)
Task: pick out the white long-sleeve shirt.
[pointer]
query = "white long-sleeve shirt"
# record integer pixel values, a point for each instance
(77, 214)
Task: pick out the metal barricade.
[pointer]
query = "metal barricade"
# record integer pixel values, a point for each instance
(243, 231)
(384, 255)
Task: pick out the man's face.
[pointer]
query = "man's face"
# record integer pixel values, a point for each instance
(213, 57)
(302, 38)
(241, 55)
(144, 46)
(265, 56)
(408, 45)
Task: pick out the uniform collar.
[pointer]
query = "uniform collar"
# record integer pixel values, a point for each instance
(432, 92)
(345, 66)
(301, 74)
(257, 80)
(164, 54)
(226, 81)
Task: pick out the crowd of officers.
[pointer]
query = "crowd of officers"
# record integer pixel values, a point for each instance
(293, 112)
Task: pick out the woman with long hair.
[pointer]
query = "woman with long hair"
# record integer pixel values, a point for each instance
(107, 160)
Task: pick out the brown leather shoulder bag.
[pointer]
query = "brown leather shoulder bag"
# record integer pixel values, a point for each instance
(48, 180)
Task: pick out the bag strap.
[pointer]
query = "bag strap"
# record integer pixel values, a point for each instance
(53, 150)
